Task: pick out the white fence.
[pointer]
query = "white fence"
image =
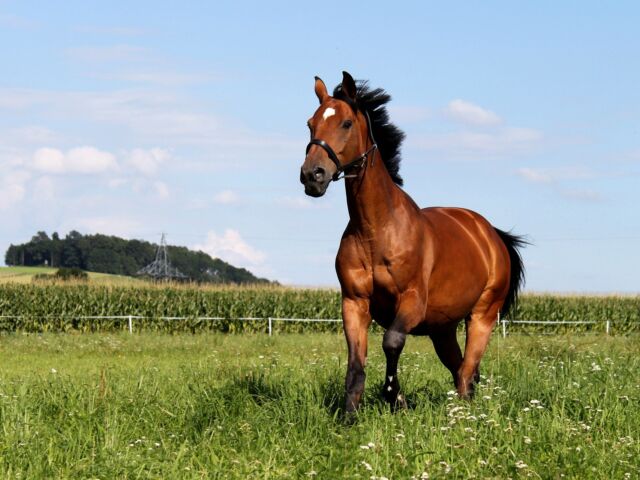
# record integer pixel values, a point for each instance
(502, 324)
(130, 319)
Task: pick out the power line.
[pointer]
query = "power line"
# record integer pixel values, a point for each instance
(161, 268)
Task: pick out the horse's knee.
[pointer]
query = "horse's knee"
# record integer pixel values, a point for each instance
(393, 342)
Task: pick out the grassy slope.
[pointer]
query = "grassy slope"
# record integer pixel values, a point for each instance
(215, 406)
(26, 274)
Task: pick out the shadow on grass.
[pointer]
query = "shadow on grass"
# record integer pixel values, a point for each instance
(246, 396)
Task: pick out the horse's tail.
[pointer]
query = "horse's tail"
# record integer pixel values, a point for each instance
(516, 277)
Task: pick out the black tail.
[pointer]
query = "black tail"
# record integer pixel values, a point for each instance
(516, 276)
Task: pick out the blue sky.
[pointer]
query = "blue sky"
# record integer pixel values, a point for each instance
(136, 118)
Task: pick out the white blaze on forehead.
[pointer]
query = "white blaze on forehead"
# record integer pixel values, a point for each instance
(328, 113)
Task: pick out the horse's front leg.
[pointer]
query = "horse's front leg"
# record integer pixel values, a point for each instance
(392, 344)
(356, 320)
(410, 313)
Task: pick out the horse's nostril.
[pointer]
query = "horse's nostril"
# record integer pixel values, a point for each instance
(318, 174)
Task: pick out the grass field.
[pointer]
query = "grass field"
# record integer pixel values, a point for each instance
(252, 406)
(26, 274)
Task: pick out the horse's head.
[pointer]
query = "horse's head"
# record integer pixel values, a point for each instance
(338, 138)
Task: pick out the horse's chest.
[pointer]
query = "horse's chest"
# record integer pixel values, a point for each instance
(383, 278)
(384, 293)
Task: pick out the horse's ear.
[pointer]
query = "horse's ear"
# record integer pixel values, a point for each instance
(349, 86)
(321, 90)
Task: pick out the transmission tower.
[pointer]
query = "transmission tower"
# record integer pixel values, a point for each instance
(161, 268)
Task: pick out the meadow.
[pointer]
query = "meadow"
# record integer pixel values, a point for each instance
(25, 275)
(153, 405)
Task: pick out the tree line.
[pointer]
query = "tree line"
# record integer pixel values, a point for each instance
(109, 254)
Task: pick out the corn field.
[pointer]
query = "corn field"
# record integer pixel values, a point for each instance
(56, 307)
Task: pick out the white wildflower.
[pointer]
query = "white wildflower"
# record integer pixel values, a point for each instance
(521, 464)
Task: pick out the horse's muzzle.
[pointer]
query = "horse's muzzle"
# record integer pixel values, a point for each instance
(315, 181)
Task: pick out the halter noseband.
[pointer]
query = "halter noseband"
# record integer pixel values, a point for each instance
(359, 162)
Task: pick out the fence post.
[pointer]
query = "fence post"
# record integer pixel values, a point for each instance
(130, 324)
(607, 326)
(504, 329)
(269, 326)
(499, 318)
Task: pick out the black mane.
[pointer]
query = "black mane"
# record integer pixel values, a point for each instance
(388, 137)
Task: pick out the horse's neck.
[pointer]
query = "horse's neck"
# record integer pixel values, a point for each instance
(373, 198)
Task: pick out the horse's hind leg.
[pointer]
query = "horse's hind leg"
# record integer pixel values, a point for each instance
(446, 345)
(479, 328)
(476, 375)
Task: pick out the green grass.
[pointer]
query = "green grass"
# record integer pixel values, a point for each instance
(26, 274)
(251, 406)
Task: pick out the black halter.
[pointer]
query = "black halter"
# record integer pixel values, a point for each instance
(360, 161)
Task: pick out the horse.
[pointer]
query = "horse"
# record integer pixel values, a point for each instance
(415, 271)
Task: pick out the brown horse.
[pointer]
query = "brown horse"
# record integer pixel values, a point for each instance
(414, 271)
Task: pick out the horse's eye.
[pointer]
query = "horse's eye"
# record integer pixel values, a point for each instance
(347, 124)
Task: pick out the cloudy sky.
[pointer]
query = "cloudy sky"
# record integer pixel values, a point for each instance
(136, 118)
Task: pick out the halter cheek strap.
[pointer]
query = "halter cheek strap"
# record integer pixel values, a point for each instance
(360, 161)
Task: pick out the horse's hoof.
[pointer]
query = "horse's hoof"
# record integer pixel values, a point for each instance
(350, 417)
(401, 403)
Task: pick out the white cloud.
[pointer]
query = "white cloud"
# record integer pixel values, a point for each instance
(85, 160)
(10, 195)
(29, 136)
(408, 114)
(471, 114)
(501, 141)
(301, 203)
(161, 189)
(14, 21)
(13, 188)
(554, 178)
(534, 176)
(44, 190)
(148, 161)
(550, 175)
(117, 225)
(154, 77)
(117, 182)
(112, 53)
(231, 248)
(226, 197)
(112, 31)
(154, 117)
(583, 195)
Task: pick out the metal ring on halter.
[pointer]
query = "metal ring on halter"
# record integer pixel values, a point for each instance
(334, 158)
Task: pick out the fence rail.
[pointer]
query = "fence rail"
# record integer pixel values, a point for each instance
(502, 324)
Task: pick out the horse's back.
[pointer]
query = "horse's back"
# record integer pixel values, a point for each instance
(468, 258)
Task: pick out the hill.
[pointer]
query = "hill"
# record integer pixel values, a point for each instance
(26, 274)
(117, 256)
